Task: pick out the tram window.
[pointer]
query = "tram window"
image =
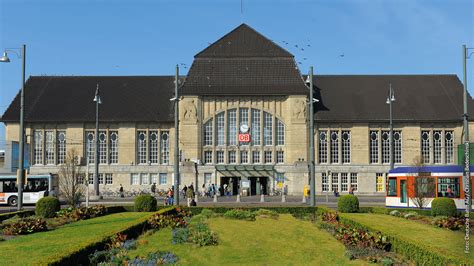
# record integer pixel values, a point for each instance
(448, 187)
(392, 187)
(424, 187)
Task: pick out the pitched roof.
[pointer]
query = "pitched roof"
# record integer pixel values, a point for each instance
(69, 99)
(363, 98)
(244, 62)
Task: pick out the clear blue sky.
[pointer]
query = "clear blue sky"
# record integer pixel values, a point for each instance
(148, 37)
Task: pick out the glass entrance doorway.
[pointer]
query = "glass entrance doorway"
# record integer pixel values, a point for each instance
(258, 185)
(232, 182)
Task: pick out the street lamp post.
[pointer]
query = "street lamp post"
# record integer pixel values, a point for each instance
(390, 99)
(176, 138)
(21, 137)
(312, 185)
(97, 101)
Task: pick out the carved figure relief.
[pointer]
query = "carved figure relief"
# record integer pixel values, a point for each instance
(299, 110)
(190, 111)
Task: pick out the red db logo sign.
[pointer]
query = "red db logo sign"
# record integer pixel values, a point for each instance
(244, 137)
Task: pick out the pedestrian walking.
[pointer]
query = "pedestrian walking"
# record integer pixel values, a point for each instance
(189, 195)
(170, 195)
(121, 191)
(185, 188)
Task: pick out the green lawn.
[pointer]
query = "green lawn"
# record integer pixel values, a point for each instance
(44, 247)
(441, 240)
(286, 241)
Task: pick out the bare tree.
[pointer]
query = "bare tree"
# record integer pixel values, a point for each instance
(69, 178)
(424, 186)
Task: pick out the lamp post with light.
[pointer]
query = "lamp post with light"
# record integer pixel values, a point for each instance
(390, 99)
(312, 185)
(98, 102)
(21, 53)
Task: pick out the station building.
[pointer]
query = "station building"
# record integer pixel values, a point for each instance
(243, 85)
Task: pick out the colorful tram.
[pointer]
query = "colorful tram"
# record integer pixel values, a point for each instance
(405, 183)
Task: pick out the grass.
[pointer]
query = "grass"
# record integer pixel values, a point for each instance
(286, 241)
(441, 240)
(45, 247)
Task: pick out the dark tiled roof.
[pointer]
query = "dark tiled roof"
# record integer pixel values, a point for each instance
(244, 62)
(363, 98)
(243, 41)
(69, 99)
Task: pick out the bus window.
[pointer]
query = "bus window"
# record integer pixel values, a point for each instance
(392, 187)
(9, 186)
(448, 187)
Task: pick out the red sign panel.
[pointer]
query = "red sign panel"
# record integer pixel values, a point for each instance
(244, 137)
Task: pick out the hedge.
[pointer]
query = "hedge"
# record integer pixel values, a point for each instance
(443, 207)
(348, 203)
(47, 207)
(23, 213)
(81, 256)
(424, 212)
(295, 211)
(145, 203)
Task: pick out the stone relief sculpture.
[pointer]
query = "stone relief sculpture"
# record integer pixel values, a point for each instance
(190, 111)
(299, 111)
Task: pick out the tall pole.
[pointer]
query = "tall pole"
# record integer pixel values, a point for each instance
(96, 151)
(390, 98)
(176, 138)
(311, 141)
(467, 172)
(21, 138)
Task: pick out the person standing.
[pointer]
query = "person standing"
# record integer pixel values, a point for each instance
(153, 189)
(189, 195)
(185, 188)
(121, 191)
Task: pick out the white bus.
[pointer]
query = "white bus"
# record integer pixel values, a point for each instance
(36, 187)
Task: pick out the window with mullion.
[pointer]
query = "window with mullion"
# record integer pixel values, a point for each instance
(449, 146)
(346, 146)
(437, 146)
(141, 147)
(165, 147)
(243, 120)
(49, 147)
(154, 153)
(232, 127)
(102, 147)
(325, 182)
(323, 146)
(397, 146)
(267, 129)
(425, 146)
(255, 127)
(385, 146)
(90, 147)
(38, 147)
(61, 146)
(220, 129)
(208, 133)
(334, 146)
(280, 133)
(374, 146)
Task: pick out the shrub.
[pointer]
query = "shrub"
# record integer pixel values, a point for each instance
(84, 213)
(201, 235)
(176, 219)
(240, 214)
(145, 203)
(443, 207)
(451, 223)
(47, 207)
(267, 213)
(207, 213)
(348, 203)
(25, 226)
(330, 217)
(180, 235)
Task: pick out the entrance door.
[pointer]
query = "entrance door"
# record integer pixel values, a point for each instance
(233, 184)
(258, 185)
(403, 191)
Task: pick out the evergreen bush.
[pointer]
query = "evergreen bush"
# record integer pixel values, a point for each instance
(145, 203)
(47, 207)
(443, 207)
(348, 203)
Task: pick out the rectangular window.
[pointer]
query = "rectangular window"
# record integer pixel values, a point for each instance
(379, 187)
(207, 178)
(232, 156)
(90, 147)
(91, 179)
(207, 157)
(385, 146)
(392, 187)
(323, 146)
(38, 148)
(153, 148)
(244, 120)
(335, 182)
(346, 147)
(154, 178)
(267, 129)
(61, 144)
(374, 146)
(397, 146)
(135, 179)
(244, 157)
(334, 146)
(268, 156)
(101, 179)
(232, 127)
(425, 146)
(208, 133)
(325, 182)
(163, 178)
(255, 156)
(165, 147)
(280, 133)
(279, 157)
(449, 146)
(141, 147)
(102, 147)
(220, 156)
(354, 182)
(437, 146)
(144, 179)
(449, 187)
(109, 179)
(220, 129)
(424, 187)
(49, 147)
(344, 181)
(80, 179)
(255, 128)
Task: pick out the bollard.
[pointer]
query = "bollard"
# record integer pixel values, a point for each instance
(262, 198)
(304, 199)
(283, 198)
(215, 198)
(238, 198)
